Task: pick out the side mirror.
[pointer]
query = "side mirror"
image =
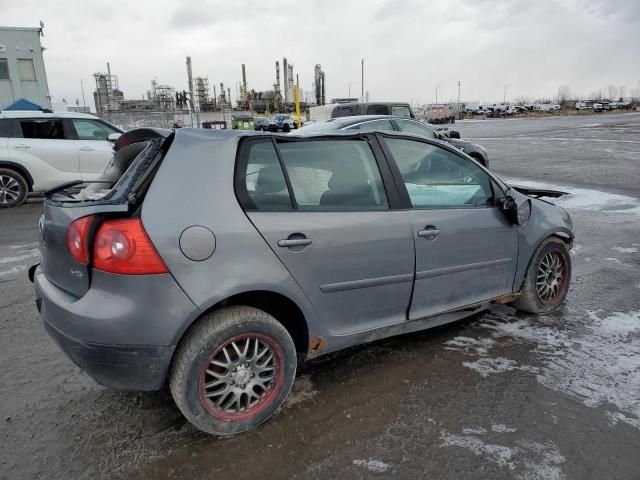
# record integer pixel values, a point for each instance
(454, 134)
(517, 214)
(113, 137)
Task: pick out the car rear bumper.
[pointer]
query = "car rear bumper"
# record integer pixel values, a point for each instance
(122, 367)
(123, 331)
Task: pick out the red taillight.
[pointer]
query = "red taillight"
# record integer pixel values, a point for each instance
(78, 239)
(122, 246)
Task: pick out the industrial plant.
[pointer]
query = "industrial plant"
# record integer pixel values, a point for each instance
(201, 96)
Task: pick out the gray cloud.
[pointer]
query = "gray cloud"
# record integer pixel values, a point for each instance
(409, 46)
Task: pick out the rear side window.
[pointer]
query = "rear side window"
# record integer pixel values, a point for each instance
(263, 179)
(333, 175)
(50, 128)
(345, 111)
(377, 110)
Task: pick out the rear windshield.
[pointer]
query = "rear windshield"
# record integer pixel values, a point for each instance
(126, 176)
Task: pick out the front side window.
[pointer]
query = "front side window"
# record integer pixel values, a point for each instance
(333, 175)
(401, 111)
(437, 178)
(344, 111)
(264, 180)
(4, 69)
(25, 69)
(416, 128)
(373, 126)
(50, 129)
(92, 130)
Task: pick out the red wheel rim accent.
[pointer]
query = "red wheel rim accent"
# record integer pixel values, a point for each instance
(264, 402)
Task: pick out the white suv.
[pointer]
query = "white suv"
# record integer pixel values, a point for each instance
(40, 150)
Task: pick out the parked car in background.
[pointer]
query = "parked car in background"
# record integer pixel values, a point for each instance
(261, 124)
(281, 123)
(598, 107)
(40, 150)
(336, 110)
(283, 248)
(386, 123)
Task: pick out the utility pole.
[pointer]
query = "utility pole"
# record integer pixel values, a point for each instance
(437, 85)
(84, 103)
(362, 85)
(349, 96)
(504, 99)
(459, 100)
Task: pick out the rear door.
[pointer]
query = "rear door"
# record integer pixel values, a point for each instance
(466, 248)
(43, 144)
(331, 222)
(94, 150)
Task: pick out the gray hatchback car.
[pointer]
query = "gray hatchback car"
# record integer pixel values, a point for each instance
(215, 260)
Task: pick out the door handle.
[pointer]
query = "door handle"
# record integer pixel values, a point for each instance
(430, 232)
(22, 145)
(294, 242)
(86, 149)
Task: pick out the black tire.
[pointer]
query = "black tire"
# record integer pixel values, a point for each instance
(530, 299)
(286, 128)
(13, 188)
(204, 344)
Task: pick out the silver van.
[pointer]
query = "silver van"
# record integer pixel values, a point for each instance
(216, 260)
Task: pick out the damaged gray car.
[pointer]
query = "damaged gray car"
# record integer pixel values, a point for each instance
(215, 261)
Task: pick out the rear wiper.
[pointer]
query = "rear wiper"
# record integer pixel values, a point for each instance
(64, 186)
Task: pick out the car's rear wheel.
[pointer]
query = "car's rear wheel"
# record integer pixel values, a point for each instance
(13, 188)
(547, 279)
(233, 370)
(286, 128)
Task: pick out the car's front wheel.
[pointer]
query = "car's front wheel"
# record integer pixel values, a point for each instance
(546, 282)
(233, 370)
(13, 188)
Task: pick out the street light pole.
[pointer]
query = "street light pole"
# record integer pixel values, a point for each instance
(437, 85)
(459, 100)
(362, 85)
(504, 99)
(349, 96)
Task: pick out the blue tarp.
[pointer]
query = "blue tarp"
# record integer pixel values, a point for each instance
(23, 104)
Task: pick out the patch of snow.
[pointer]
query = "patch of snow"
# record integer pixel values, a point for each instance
(373, 465)
(24, 246)
(489, 366)
(18, 258)
(586, 199)
(11, 271)
(472, 346)
(597, 365)
(501, 428)
(498, 454)
(529, 460)
(474, 431)
(625, 249)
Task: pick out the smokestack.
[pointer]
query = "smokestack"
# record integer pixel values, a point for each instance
(245, 94)
(285, 67)
(190, 81)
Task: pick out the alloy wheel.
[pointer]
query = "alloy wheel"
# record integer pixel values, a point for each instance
(551, 278)
(241, 377)
(10, 189)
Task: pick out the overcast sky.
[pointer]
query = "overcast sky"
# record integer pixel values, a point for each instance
(409, 46)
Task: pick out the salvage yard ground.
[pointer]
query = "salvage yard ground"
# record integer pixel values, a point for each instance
(501, 395)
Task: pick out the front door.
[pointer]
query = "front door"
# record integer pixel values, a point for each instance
(330, 224)
(466, 249)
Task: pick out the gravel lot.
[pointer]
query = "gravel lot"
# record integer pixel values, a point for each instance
(500, 395)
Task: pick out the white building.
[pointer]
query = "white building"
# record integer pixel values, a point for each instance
(22, 72)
